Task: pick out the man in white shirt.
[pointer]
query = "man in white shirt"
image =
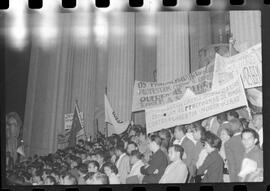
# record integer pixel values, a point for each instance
(122, 163)
(137, 163)
(176, 171)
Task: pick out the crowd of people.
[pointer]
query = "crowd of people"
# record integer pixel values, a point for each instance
(222, 148)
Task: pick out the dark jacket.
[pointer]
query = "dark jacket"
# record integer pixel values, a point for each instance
(158, 162)
(234, 151)
(213, 163)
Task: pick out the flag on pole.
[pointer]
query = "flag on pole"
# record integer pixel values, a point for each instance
(75, 127)
(111, 118)
(20, 149)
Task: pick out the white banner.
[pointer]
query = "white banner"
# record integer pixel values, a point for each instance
(151, 94)
(247, 64)
(111, 118)
(192, 108)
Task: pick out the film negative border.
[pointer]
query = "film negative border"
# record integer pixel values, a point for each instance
(69, 4)
(248, 5)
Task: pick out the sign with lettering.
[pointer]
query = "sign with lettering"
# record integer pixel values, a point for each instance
(247, 64)
(150, 94)
(196, 107)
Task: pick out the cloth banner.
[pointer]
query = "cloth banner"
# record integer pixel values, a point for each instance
(247, 64)
(192, 108)
(151, 94)
(111, 118)
(68, 120)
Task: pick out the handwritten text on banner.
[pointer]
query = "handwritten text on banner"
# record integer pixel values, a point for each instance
(196, 107)
(151, 94)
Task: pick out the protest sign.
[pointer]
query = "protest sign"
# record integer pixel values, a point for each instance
(68, 120)
(193, 108)
(150, 94)
(247, 64)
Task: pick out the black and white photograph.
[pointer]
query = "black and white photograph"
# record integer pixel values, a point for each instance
(101, 97)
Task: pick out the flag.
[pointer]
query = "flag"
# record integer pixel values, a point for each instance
(111, 118)
(75, 128)
(20, 150)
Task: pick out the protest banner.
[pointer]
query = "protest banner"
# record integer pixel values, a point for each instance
(150, 94)
(68, 120)
(196, 107)
(111, 118)
(247, 64)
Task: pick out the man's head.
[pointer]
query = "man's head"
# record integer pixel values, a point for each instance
(154, 143)
(135, 156)
(132, 146)
(232, 115)
(249, 138)
(179, 132)
(198, 132)
(100, 156)
(81, 142)
(222, 117)
(175, 152)
(236, 125)
(83, 169)
(93, 166)
(119, 150)
(257, 121)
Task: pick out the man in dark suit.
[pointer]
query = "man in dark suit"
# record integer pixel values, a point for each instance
(157, 164)
(234, 150)
(189, 147)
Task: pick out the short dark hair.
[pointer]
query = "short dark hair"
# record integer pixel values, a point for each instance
(83, 168)
(253, 132)
(222, 116)
(178, 148)
(136, 153)
(166, 132)
(234, 114)
(95, 163)
(111, 166)
(228, 130)
(236, 125)
(181, 128)
(132, 142)
(156, 139)
(120, 147)
(213, 140)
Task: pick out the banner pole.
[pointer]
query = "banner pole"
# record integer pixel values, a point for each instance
(106, 124)
(77, 105)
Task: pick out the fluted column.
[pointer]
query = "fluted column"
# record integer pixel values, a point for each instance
(121, 64)
(84, 83)
(200, 35)
(172, 45)
(246, 28)
(145, 53)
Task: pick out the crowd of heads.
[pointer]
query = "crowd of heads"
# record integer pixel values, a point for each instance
(95, 162)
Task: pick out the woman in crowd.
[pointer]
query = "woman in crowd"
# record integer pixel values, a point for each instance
(212, 167)
(111, 171)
